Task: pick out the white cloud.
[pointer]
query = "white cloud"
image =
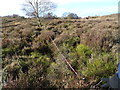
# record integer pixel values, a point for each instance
(9, 6)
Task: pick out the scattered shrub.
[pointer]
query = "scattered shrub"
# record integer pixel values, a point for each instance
(99, 68)
(84, 51)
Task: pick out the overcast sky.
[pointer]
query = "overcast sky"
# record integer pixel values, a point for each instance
(82, 8)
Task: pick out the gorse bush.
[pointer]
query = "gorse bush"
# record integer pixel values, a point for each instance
(99, 68)
(84, 51)
(102, 64)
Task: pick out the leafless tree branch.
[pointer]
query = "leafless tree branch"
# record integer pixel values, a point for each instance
(37, 8)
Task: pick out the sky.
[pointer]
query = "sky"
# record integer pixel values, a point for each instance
(82, 8)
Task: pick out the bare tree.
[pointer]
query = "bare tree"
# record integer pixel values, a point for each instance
(37, 8)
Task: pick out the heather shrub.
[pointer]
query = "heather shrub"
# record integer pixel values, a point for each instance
(10, 50)
(99, 39)
(62, 38)
(58, 73)
(5, 42)
(35, 76)
(73, 41)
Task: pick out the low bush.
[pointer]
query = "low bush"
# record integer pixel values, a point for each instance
(84, 51)
(99, 68)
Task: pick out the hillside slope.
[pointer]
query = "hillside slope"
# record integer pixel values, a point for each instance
(31, 59)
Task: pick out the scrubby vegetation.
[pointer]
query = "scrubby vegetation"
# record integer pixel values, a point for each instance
(31, 60)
